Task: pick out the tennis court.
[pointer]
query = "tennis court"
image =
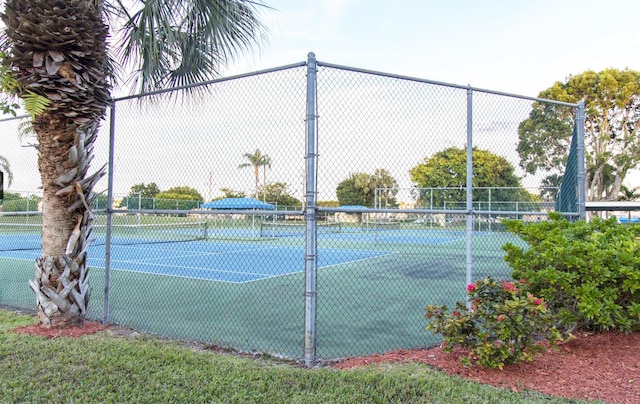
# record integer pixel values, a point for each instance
(228, 284)
(198, 250)
(205, 260)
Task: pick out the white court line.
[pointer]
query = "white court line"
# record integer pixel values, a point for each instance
(262, 276)
(102, 260)
(142, 247)
(327, 266)
(197, 254)
(361, 259)
(189, 277)
(178, 267)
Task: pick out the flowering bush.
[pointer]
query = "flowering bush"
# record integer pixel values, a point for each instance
(500, 326)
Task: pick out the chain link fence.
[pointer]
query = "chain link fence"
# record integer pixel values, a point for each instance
(320, 209)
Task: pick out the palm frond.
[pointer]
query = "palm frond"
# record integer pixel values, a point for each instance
(35, 104)
(26, 129)
(178, 43)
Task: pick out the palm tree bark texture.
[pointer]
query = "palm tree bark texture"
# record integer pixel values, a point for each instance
(59, 52)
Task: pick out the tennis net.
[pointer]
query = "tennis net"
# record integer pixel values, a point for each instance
(295, 229)
(21, 236)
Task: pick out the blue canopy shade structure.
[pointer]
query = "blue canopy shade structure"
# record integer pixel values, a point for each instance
(353, 207)
(238, 203)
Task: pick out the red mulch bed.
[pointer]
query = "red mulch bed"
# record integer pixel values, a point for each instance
(88, 327)
(590, 367)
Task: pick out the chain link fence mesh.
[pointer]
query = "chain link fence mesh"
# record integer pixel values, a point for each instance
(208, 221)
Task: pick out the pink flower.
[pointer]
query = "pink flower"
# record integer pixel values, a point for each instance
(456, 314)
(523, 280)
(471, 287)
(501, 317)
(509, 287)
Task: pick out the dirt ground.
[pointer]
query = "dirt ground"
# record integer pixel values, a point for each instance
(591, 366)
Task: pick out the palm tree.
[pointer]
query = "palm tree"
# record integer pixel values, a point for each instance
(257, 160)
(386, 183)
(266, 163)
(58, 51)
(370, 183)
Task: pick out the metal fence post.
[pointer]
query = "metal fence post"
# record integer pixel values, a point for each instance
(581, 162)
(469, 185)
(107, 254)
(311, 256)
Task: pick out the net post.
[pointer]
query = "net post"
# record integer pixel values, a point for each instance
(205, 230)
(311, 256)
(580, 116)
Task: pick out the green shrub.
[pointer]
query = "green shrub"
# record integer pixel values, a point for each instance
(21, 204)
(588, 272)
(500, 327)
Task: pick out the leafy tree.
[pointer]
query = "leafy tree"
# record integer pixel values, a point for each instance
(63, 57)
(629, 194)
(257, 160)
(10, 196)
(349, 194)
(7, 106)
(230, 193)
(328, 204)
(100, 202)
(447, 169)
(145, 191)
(550, 187)
(142, 196)
(360, 188)
(8, 86)
(278, 193)
(178, 198)
(387, 185)
(186, 193)
(21, 204)
(612, 144)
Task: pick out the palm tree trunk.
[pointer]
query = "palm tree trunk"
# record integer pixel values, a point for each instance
(59, 53)
(256, 173)
(264, 183)
(61, 283)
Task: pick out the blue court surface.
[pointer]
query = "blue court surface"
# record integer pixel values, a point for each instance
(213, 261)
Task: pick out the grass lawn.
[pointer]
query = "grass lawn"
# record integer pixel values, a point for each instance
(112, 368)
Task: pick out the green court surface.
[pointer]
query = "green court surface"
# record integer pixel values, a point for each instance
(364, 305)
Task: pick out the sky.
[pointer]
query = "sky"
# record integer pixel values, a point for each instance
(517, 47)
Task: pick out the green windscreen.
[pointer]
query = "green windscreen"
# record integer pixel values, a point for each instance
(568, 197)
